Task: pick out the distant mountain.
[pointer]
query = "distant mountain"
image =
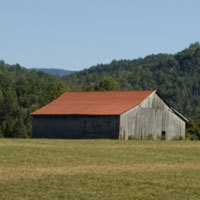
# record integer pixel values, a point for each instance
(54, 71)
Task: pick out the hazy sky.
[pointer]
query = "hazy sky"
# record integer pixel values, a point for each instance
(76, 34)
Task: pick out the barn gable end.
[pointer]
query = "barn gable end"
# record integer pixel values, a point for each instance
(152, 118)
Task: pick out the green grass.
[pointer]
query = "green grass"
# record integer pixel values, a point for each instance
(99, 169)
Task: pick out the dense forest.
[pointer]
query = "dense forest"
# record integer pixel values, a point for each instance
(21, 92)
(176, 77)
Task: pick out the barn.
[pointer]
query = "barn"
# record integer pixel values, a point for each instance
(108, 114)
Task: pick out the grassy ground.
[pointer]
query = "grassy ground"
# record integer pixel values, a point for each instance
(99, 169)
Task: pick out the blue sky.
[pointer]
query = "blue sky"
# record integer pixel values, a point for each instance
(77, 34)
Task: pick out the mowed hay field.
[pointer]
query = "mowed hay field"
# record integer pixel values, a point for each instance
(99, 169)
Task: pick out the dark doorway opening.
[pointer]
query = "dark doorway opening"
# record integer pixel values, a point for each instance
(163, 135)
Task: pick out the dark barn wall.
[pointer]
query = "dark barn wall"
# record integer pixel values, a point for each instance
(76, 126)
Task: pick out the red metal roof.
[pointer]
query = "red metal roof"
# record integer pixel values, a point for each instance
(94, 103)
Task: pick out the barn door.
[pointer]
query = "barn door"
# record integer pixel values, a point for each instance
(163, 135)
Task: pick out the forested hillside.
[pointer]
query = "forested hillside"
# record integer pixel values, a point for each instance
(21, 92)
(176, 77)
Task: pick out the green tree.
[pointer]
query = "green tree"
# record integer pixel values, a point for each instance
(92, 87)
(54, 90)
(193, 129)
(19, 129)
(109, 83)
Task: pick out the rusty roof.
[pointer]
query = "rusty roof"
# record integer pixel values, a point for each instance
(94, 103)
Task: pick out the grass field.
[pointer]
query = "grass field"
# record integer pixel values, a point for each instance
(99, 169)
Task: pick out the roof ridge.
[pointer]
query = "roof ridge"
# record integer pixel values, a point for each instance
(113, 91)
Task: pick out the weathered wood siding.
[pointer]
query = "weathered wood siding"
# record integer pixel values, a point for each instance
(150, 119)
(76, 126)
